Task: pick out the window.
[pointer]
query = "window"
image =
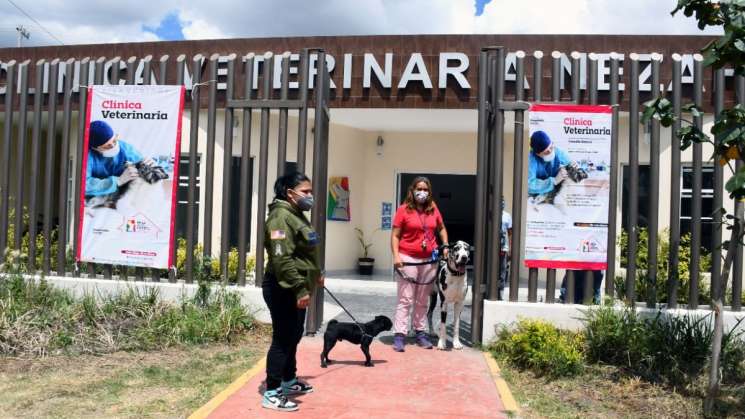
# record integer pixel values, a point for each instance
(707, 203)
(182, 195)
(642, 209)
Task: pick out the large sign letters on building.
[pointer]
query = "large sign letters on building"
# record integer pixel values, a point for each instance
(568, 186)
(130, 172)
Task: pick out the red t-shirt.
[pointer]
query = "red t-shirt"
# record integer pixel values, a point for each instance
(417, 227)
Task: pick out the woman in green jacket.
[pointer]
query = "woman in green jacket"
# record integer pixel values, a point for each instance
(293, 270)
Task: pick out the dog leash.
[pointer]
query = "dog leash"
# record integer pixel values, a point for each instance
(362, 329)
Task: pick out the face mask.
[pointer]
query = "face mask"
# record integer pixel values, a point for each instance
(421, 196)
(549, 157)
(112, 152)
(304, 202)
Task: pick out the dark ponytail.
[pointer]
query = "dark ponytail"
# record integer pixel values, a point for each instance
(288, 181)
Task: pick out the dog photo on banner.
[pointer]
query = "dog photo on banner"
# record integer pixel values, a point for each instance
(568, 186)
(130, 168)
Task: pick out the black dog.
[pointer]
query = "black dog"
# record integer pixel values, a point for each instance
(358, 334)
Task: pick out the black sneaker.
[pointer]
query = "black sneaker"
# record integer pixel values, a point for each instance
(277, 401)
(296, 387)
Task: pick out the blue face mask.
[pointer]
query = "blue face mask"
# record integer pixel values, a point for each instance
(303, 202)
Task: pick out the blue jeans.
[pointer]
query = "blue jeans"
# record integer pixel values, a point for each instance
(579, 286)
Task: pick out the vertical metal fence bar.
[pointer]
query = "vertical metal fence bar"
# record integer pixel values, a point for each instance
(517, 184)
(21, 155)
(226, 173)
(130, 80)
(191, 216)
(115, 78)
(490, 173)
(673, 257)
(320, 166)
(5, 156)
(98, 79)
(588, 290)
(633, 203)
(556, 97)
(79, 144)
(716, 243)
(209, 181)
(49, 164)
(34, 172)
(147, 72)
(263, 168)
(479, 234)
(282, 143)
(654, 191)
(550, 284)
(537, 97)
(302, 127)
(610, 272)
(244, 215)
(180, 66)
(570, 287)
(575, 77)
(496, 203)
(698, 76)
(64, 164)
(738, 263)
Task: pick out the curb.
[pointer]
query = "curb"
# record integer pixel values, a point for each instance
(204, 411)
(510, 405)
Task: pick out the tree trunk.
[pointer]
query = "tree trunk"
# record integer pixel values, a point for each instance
(718, 303)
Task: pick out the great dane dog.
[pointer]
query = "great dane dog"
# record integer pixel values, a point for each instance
(451, 285)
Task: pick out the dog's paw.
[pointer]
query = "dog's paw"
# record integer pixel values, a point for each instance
(369, 364)
(324, 365)
(441, 345)
(457, 344)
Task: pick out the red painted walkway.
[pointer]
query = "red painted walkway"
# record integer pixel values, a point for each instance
(416, 383)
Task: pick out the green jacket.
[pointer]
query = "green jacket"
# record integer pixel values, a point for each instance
(293, 248)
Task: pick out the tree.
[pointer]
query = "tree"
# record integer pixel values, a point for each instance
(728, 142)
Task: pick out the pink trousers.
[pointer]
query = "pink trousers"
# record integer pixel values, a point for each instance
(413, 296)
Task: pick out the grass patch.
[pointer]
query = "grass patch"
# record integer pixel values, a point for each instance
(37, 320)
(172, 382)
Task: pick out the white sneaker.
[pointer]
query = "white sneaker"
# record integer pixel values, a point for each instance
(277, 401)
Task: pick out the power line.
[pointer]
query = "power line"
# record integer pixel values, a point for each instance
(35, 21)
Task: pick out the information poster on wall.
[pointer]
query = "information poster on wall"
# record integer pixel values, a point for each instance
(130, 162)
(568, 186)
(386, 216)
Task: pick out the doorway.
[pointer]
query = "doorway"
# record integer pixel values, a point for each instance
(455, 196)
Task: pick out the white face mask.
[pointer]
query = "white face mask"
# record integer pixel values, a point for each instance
(549, 157)
(421, 196)
(112, 152)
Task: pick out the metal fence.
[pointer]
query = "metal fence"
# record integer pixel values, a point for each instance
(494, 103)
(27, 109)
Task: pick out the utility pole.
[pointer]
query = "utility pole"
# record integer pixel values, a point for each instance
(22, 33)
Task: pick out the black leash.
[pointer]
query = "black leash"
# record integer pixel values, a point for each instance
(362, 329)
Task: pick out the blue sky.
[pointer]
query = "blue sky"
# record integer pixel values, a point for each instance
(169, 29)
(480, 4)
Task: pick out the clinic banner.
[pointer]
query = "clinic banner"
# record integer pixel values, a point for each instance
(130, 175)
(568, 186)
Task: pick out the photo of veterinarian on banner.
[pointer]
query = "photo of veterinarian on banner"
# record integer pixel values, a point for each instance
(568, 186)
(130, 166)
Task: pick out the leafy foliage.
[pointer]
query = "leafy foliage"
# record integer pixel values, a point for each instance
(660, 348)
(365, 245)
(642, 283)
(539, 346)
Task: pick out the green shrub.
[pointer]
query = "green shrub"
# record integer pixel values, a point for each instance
(662, 348)
(207, 268)
(540, 347)
(663, 251)
(37, 319)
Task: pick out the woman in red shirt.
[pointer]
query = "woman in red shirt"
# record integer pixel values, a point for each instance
(413, 240)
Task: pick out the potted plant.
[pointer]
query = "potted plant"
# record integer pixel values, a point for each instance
(365, 263)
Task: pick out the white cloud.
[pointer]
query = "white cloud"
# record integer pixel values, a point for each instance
(77, 21)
